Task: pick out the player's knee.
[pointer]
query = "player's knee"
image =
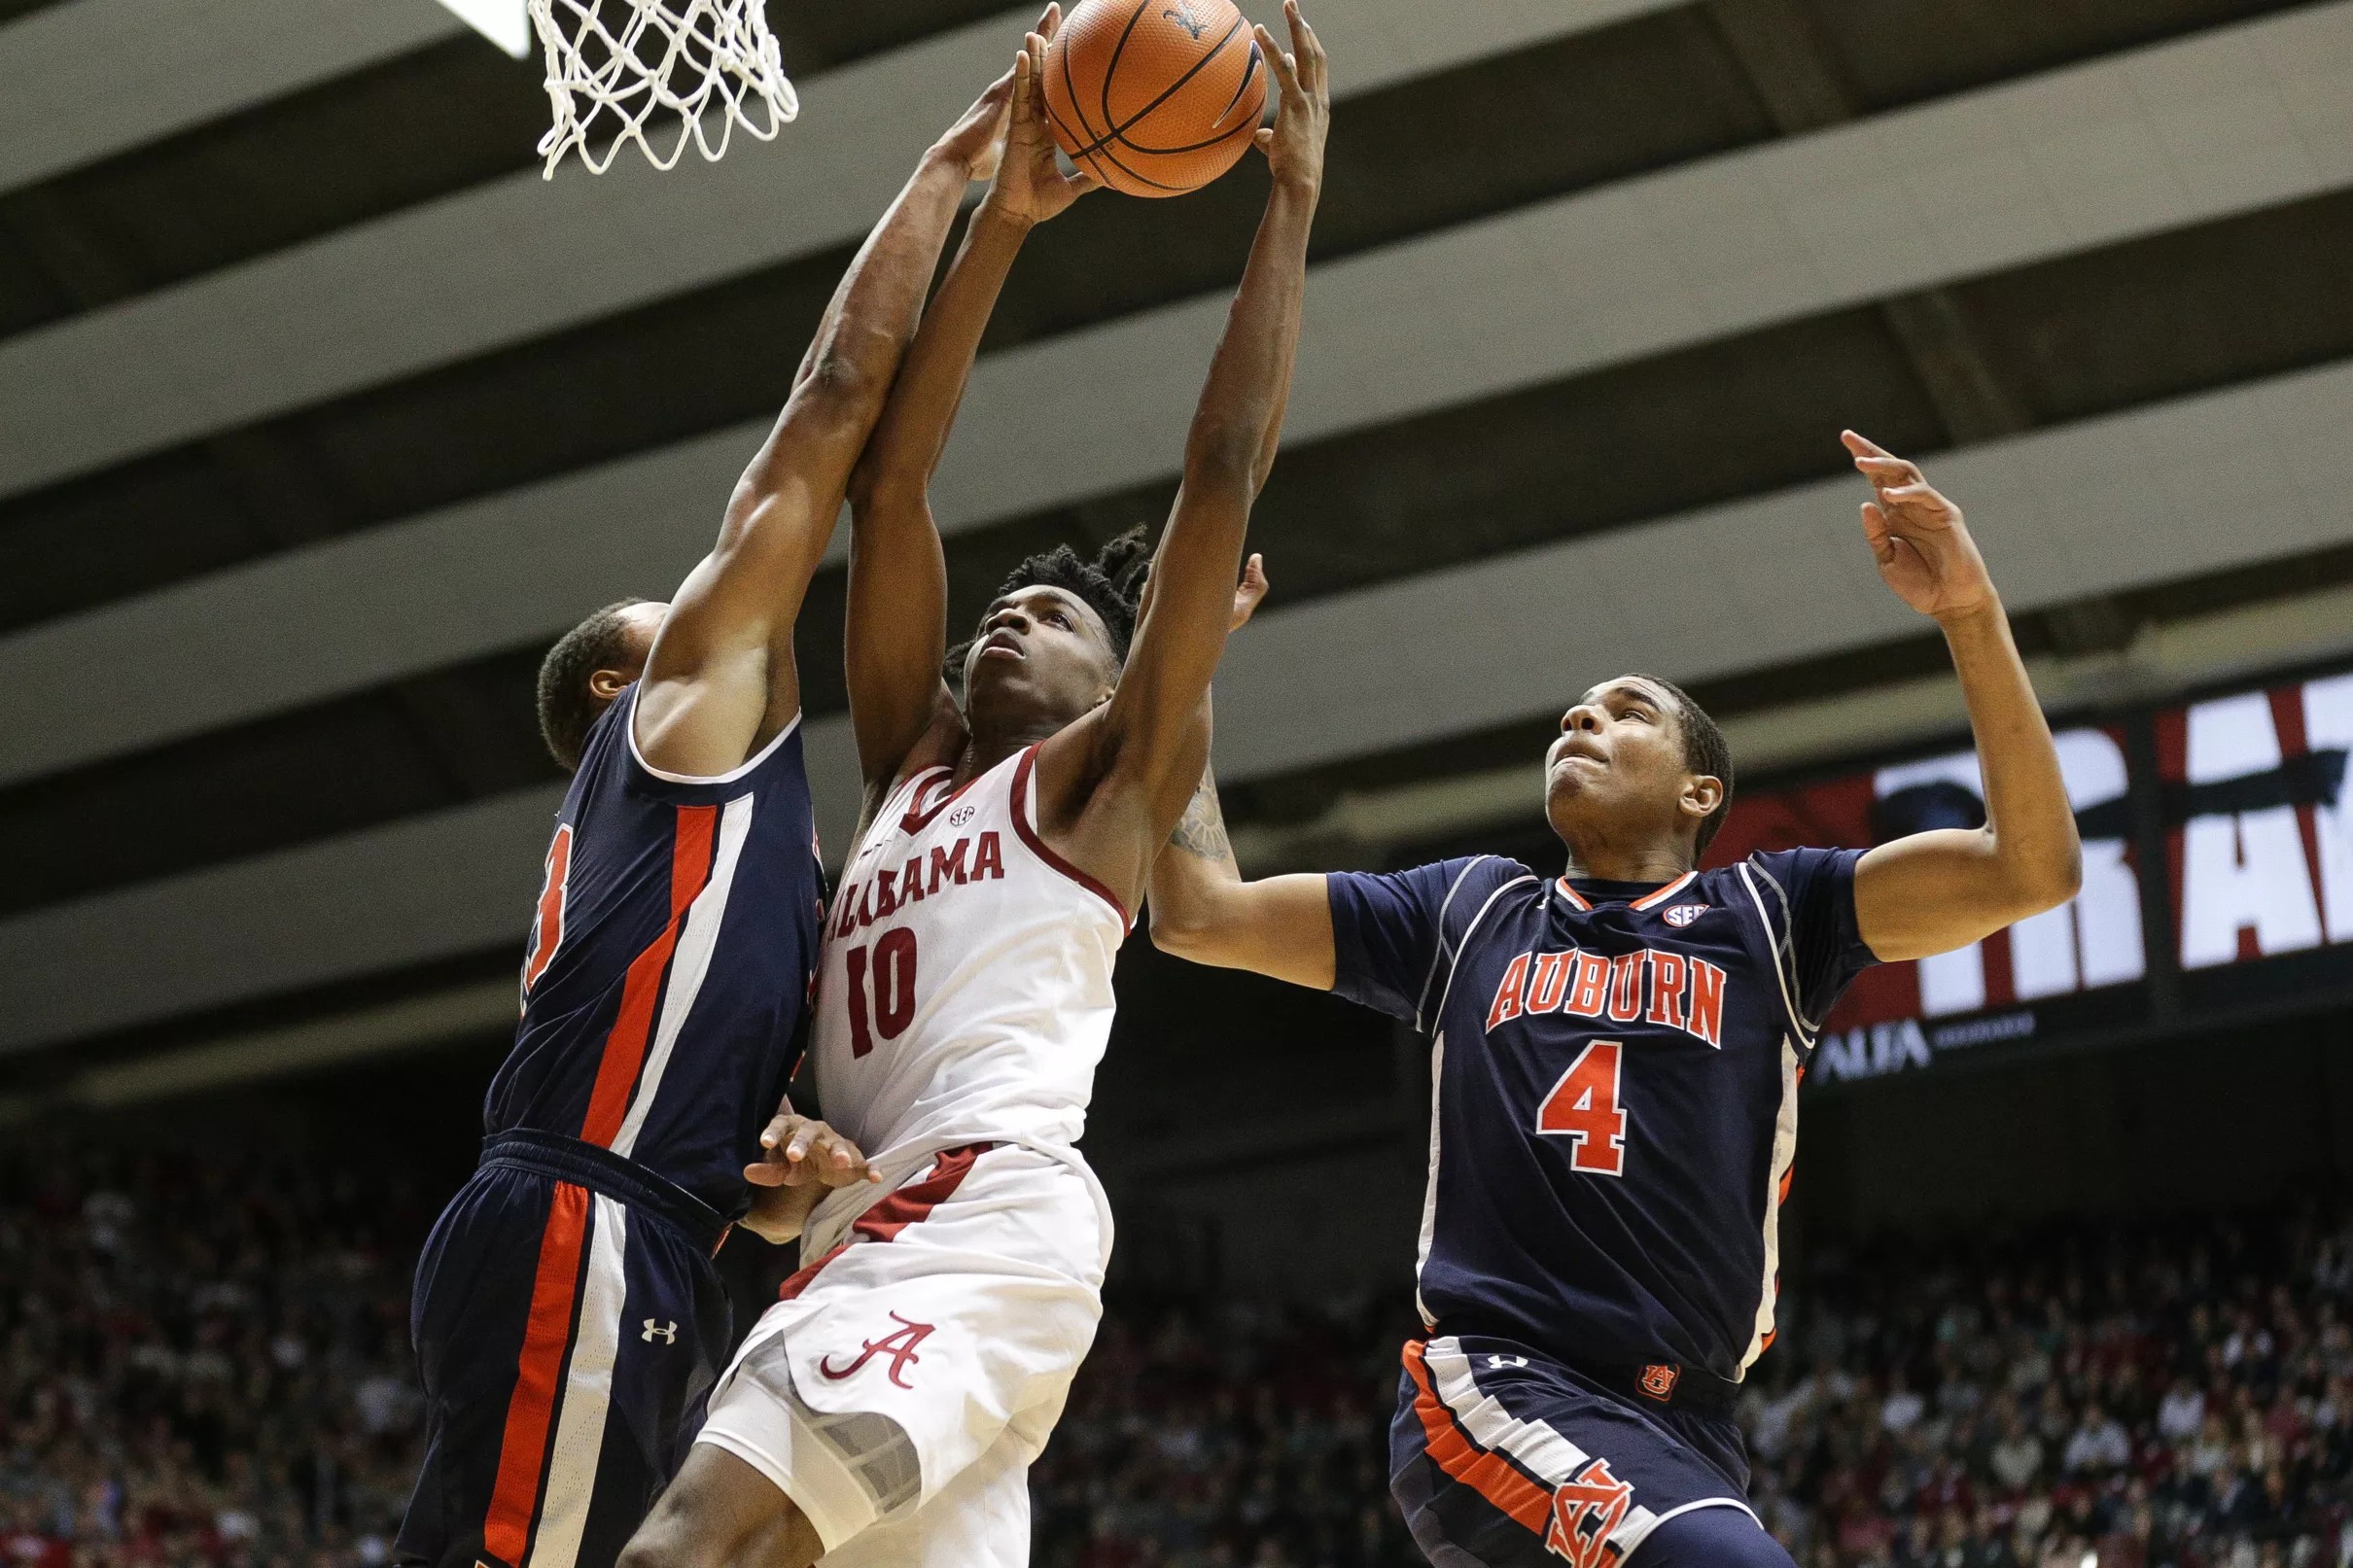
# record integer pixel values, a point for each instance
(721, 1514)
(657, 1543)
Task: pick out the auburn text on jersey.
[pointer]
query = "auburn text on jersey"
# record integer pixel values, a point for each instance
(1649, 984)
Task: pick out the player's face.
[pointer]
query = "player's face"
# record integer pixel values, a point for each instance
(1617, 776)
(1043, 659)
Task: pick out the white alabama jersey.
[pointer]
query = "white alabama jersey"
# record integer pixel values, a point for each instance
(965, 993)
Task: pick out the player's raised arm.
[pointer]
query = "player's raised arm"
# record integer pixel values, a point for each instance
(1139, 742)
(1934, 891)
(720, 682)
(895, 632)
(1201, 907)
(1203, 911)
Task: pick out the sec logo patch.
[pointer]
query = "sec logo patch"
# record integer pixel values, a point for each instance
(1682, 915)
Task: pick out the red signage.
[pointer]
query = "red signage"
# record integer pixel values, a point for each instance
(1901, 1015)
(2257, 805)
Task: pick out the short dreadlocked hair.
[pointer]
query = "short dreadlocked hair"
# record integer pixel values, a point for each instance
(1111, 585)
(568, 710)
(1704, 752)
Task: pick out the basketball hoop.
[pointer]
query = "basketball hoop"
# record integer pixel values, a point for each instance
(615, 66)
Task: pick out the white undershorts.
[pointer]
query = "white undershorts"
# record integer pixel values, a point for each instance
(921, 1357)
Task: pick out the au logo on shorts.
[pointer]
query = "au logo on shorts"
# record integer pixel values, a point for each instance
(1679, 916)
(1586, 1513)
(1659, 1380)
(899, 1345)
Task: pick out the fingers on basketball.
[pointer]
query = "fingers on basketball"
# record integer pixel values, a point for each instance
(1155, 97)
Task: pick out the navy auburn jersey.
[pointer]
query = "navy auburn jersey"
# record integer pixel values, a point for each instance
(1615, 1076)
(667, 976)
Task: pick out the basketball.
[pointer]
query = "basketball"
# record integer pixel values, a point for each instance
(1155, 97)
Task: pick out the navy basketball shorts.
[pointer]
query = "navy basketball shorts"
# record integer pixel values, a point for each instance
(1501, 1460)
(567, 1323)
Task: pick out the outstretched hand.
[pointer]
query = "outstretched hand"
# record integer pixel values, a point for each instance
(977, 138)
(1293, 143)
(1029, 185)
(1919, 537)
(801, 1151)
(802, 1160)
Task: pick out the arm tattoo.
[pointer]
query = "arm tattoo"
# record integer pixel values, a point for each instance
(1201, 831)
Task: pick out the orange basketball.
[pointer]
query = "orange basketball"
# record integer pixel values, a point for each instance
(1155, 97)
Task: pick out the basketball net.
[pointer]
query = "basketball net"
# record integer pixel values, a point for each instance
(713, 64)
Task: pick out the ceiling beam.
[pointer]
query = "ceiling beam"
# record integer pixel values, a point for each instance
(2172, 136)
(1779, 51)
(1361, 826)
(2064, 514)
(387, 1028)
(517, 257)
(91, 77)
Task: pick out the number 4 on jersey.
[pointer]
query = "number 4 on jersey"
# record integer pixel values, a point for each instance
(1582, 1107)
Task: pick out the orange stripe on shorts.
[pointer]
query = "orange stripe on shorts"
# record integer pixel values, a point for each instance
(538, 1370)
(1490, 1474)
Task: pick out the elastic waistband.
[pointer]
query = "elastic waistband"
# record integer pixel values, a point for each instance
(616, 1176)
(1664, 1382)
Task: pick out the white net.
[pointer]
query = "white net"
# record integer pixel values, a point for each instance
(659, 71)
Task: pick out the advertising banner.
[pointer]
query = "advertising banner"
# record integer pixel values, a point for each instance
(2258, 812)
(2023, 982)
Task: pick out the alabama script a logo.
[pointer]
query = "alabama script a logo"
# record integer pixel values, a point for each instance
(899, 1345)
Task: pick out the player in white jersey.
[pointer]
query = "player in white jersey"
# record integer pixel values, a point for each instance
(886, 1409)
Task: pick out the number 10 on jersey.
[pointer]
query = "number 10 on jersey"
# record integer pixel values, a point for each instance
(1582, 1107)
(885, 973)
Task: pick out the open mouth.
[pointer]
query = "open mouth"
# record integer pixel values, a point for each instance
(1002, 646)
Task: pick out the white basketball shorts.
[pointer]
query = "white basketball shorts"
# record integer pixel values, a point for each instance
(899, 1389)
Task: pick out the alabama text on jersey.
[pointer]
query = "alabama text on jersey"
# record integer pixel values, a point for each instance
(965, 993)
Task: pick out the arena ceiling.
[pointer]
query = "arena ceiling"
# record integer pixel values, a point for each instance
(321, 413)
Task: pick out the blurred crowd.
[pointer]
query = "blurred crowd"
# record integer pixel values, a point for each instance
(1247, 1437)
(2177, 1395)
(204, 1362)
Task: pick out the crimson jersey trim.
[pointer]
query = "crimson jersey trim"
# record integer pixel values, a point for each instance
(1028, 829)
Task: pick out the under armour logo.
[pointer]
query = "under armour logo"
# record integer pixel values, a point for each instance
(1498, 1363)
(667, 1330)
(899, 1345)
